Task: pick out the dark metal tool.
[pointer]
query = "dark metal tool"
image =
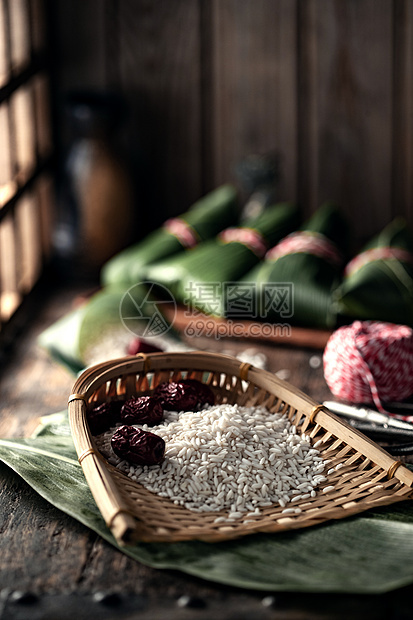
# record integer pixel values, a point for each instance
(378, 426)
(367, 415)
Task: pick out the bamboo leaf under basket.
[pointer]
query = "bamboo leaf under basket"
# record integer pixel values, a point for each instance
(368, 477)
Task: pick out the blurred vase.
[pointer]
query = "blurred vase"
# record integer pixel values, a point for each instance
(95, 218)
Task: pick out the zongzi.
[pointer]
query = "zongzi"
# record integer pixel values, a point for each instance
(204, 220)
(296, 279)
(201, 277)
(378, 282)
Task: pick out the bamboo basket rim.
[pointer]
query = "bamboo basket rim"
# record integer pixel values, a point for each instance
(118, 497)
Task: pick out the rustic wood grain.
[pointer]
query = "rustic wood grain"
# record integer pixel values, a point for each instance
(81, 44)
(402, 155)
(254, 91)
(160, 77)
(325, 83)
(353, 90)
(307, 109)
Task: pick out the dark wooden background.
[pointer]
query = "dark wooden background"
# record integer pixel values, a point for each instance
(325, 83)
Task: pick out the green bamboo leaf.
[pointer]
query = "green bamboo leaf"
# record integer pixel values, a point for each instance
(74, 339)
(195, 276)
(206, 217)
(380, 289)
(61, 340)
(313, 278)
(370, 553)
(106, 318)
(68, 339)
(54, 424)
(102, 314)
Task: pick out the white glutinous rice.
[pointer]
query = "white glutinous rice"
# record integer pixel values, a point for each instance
(228, 457)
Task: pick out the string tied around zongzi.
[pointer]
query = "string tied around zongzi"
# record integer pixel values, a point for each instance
(180, 229)
(308, 242)
(373, 254)
(247, 236)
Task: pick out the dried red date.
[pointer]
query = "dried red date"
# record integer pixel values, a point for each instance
(138, 446)
(205, 394)
(142, 410)
(104, 416)
(137, 345)
(183, 395)
(176, 396)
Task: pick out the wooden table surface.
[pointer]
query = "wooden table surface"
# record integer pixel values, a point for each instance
(53, 567)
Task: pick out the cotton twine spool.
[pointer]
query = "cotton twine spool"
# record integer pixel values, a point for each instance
(370, 362)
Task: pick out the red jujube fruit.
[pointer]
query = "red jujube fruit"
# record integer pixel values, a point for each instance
(138, 446)
(141, 410)
(104, 416)
(183, 395)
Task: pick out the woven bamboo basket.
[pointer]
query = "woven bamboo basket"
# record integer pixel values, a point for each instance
(367, 477)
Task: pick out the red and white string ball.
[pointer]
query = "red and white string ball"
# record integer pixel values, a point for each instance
(370, 362)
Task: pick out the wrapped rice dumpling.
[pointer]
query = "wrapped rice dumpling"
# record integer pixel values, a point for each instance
(199, 277)
(104, 326)
(297, 277)
(204, 220)
(378, 282)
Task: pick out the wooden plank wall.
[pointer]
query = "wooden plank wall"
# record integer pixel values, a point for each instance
(328, 84)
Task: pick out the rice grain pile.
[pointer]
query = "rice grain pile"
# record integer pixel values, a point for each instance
(229, 457)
